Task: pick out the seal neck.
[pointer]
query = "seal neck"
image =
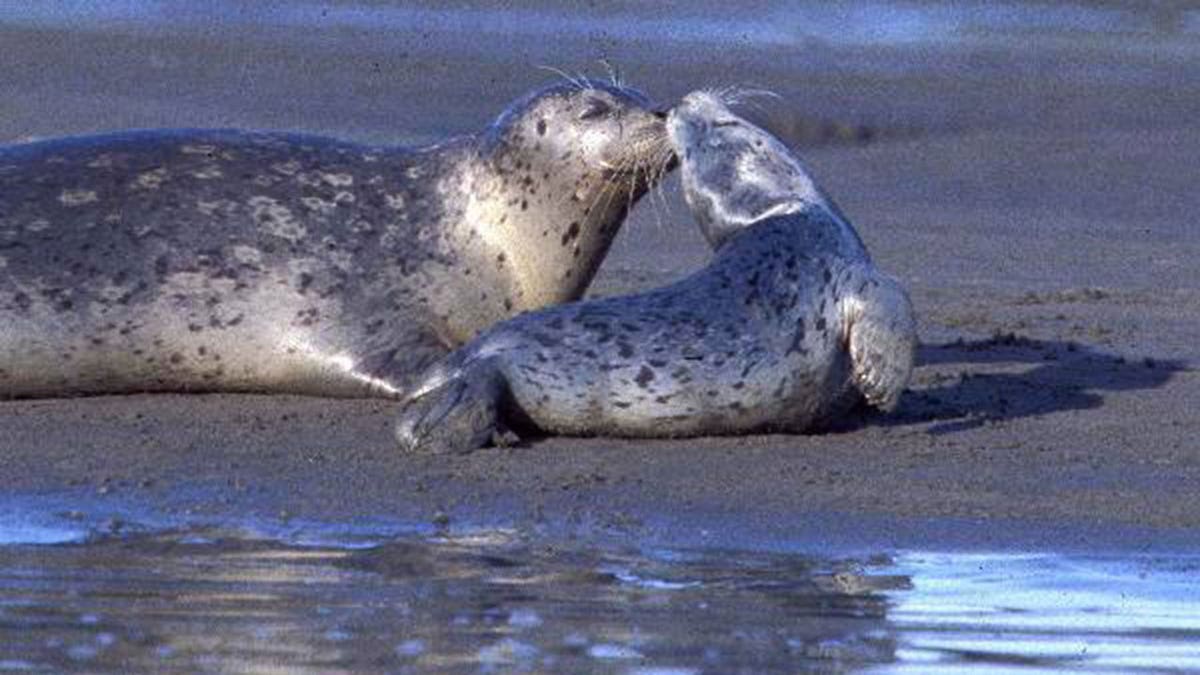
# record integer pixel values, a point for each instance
(814, 229)
(553, 219)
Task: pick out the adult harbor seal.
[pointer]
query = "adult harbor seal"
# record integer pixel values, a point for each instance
(218, 260)
(787, 327)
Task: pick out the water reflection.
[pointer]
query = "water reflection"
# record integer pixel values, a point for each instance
(1117, 614)
(188, 602)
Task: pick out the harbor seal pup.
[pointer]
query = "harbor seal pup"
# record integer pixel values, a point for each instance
(217, 260)
(789, 326)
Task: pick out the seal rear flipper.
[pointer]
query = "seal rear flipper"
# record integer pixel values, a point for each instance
(882, 334)
(451, 410)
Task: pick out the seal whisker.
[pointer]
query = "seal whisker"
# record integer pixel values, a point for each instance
(612, 187)
(595, 208)
(738, 95)
(634, 176)
(658, 201)
(563, 74)
(614, 73)
(621, 169)
(668, 153)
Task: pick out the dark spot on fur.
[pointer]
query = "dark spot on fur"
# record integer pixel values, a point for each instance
(541, 127)
(595, 326)
(571, 233)
(176, 358)
(797, 339)
(644, 377)
(820, 325)
(625, 350)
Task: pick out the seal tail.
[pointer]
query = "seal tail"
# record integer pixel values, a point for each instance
(451, 409)
(882, 334)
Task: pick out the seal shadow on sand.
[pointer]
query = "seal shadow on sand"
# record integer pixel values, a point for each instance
(1069, 376)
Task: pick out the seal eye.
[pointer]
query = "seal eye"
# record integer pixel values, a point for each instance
(724, 123)
(594, 108)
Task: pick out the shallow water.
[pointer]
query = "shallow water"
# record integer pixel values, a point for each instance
(211, 601)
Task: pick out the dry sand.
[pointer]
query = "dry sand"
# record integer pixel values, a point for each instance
(1041, 210)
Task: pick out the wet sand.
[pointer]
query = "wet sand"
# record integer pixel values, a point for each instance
(1043, 219)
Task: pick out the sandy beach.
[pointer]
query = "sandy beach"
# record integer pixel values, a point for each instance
(1039, 204)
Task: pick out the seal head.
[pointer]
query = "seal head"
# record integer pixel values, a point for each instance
(737, 174)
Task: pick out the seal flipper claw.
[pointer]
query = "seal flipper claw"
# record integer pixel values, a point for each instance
(450, 412)
(882, 334)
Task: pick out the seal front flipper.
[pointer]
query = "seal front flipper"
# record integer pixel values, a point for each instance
(882, 334)
(452, 409)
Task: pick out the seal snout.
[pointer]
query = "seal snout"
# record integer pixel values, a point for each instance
(701, 105)
(694, 115)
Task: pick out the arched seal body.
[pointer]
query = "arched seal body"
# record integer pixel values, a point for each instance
(229, 261)
(787, 327)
